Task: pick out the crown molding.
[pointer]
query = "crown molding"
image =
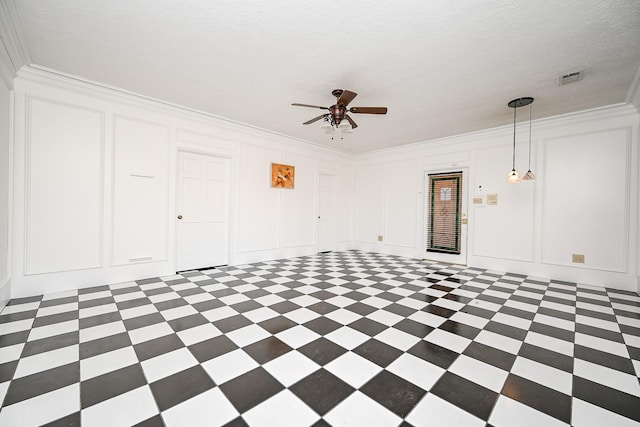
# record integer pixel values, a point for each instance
(14, 53)
(574, 117)
(633, 96)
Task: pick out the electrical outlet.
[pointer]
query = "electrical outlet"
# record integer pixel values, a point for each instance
(379, 238)
(577, 258)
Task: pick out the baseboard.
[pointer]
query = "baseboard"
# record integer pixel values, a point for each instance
(5, 292)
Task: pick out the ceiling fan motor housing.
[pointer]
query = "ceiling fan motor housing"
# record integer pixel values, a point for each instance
(337, 113)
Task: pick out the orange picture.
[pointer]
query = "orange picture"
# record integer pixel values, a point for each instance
(282, 176)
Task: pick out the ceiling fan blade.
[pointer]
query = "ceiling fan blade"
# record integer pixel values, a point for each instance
(351, 122)
(368, 110)
(315, 119)
(310, 106)
(346, 98)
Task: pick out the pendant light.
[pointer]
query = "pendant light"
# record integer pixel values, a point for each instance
(514, 177)
(529, 176)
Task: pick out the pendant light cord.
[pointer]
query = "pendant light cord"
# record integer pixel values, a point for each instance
(514, 136)
(530, 136)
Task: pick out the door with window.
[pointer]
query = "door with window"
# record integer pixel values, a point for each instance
(446, 219)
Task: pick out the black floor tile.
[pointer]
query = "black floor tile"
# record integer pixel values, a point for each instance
(51, 343)
(471, 397)
(212, 348)
(434, 353)
(157, 346)
(267, 349)
(395, 393)
(182, 386)
(250, 389)
(322, 391)
(377, 352)
(544, 399)
(103, 387)
(322, 351)
(104, 345)
(42, 382)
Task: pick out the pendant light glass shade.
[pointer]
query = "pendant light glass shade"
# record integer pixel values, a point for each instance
(529, 176)
(514, 177)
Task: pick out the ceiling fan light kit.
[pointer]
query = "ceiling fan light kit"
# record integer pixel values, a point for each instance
(514, 177)
(339, 111)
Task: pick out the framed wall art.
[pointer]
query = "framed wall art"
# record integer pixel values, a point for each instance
(282, 176)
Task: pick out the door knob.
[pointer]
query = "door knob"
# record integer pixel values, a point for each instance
(179, 216)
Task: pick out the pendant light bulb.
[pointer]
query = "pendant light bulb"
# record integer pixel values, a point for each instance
(513, 177)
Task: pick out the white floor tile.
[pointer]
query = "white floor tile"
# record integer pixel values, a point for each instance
(11, 352)
(432, 411)
(107, 362)
(398, 339)
(247, 335)
(479, 372)
(97, 310)
(347, 337)
(343, 316)
(17, 326)
(57, 309)
(54, 329)
(124, 410)
(198, 334)
(149, 332)
(360, 410)
(219, 313)
(610, 377)
(601, 344)
(42, 409)
(585, 414)
(509, 413)
(260, 314)
(550, 343)
(291, 368)
(507, 319)
(210, 408)
(282, 410)
(301, 315)
(384, 317)
(297, 336)
(418, 371)
(47, 360)
(168, 364)
(178, 312)
(94, 295)
(228, 366)
(542, 374)
(142, 310)
(555, 322)
(448, 340)
(353, 369)
(470, 319)
(101, 331)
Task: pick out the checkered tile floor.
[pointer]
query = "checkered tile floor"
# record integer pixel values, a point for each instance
(347, 338)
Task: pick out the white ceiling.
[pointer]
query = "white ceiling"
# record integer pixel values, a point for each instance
(442, 67)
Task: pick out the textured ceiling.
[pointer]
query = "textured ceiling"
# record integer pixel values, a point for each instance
(442, 67)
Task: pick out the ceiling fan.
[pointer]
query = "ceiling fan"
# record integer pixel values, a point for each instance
(338, 111)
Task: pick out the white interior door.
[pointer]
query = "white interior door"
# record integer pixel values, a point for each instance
(327, 215)
(203, 211)
(441, 188)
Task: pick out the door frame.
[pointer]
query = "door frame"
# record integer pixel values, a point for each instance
(335, 197)
(230, 186)
(462, 258)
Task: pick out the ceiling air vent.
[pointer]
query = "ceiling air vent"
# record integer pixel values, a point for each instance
(571, 77)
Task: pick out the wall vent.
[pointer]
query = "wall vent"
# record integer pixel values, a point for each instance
(571, 77)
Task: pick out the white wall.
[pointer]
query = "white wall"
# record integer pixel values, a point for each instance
(5, 192)
(585, 200)
(95, 174)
